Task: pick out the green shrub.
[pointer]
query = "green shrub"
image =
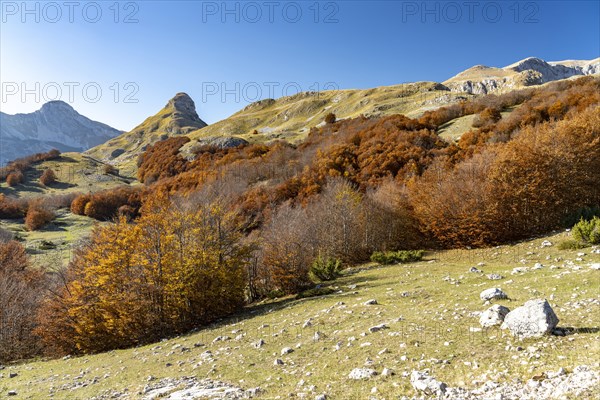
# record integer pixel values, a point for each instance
(587, 232)
(571, 244)
(400, 256)
(325, 269)
(318, 291)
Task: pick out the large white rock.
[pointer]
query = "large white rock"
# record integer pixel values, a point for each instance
(535, 318)
(493, 316)
(362, 373)
(421, 381)
(493, 293)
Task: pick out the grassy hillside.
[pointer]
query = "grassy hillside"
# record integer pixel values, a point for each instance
(290, 118)
(75, 172)
(430, 308)
(52, 245)
(454, 129)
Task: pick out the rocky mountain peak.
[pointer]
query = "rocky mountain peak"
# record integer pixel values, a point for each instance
(57, 106)
(183, 103)
(183, 111)
(532, 63)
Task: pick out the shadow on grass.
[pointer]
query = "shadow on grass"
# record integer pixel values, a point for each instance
(67, 159)
(62, 185)
(256, 310)
(26, 187)
(350, 277)
(56, 226)
(569, 330)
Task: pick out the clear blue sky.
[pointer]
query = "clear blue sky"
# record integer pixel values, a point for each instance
(202, 48)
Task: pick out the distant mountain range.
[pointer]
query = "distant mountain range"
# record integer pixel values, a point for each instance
(528, 72)
(55, 125)
(58, 125)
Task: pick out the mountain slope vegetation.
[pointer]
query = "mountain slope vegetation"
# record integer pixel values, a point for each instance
(210, 227)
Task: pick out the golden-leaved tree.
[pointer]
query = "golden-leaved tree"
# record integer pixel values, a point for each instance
(178, 266)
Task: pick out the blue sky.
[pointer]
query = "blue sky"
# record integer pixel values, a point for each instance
(119, 62)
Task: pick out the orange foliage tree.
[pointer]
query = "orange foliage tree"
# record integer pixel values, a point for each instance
(37, 215)
(180, 265)
(48, 177)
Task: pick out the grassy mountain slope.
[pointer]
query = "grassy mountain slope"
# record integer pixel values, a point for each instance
(290, 118)
(428, 306)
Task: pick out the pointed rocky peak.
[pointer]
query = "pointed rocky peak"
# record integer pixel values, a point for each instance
(57, 106)
(182, 102)
(184, 111)
(533, 63)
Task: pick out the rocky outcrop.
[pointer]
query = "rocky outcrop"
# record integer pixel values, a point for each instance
(361, 373)
(552, 71)
(493, 316)
(183, 113)
(423, 382)
(492, 294)
(193, 388)
(535, 318)
(223, 142)
(582, 382)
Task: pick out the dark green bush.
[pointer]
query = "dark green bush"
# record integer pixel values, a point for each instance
(587, 232)
(325, 269)
(400, 256)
